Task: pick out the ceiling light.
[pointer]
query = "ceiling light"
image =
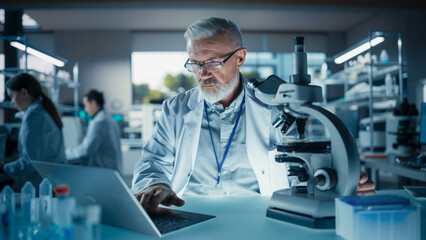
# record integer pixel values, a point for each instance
(60, 62)
(362, 47)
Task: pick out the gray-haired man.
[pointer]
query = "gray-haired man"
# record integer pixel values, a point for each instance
(213, 139)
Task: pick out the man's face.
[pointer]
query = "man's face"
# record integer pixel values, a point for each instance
(90, 106)
(218, 85)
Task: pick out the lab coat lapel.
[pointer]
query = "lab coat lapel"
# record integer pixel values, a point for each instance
(192, 122)
(258, 120)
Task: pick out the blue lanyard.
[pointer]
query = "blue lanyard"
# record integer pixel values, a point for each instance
(219, 166)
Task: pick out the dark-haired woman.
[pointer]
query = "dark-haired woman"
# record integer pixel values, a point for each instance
(40, 135)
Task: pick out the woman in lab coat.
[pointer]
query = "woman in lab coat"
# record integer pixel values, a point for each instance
(101, 144)
(40, 135)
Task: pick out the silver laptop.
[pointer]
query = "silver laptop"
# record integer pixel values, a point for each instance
(120, 208)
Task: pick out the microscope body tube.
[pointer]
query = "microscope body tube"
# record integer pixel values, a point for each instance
(300, 63)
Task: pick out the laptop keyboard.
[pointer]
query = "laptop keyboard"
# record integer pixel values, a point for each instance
(170, 223)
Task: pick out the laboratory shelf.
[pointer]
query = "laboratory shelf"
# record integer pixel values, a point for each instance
(368, 82)
(54, 79)
(360, 73)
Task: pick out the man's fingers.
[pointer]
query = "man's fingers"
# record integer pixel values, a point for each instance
(155, 195)
(158, 198)
(138, 196)
(175, 200)
(369, 185)
(146, 199)
(363, 178)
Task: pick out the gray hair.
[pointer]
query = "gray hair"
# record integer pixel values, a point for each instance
(207, 27)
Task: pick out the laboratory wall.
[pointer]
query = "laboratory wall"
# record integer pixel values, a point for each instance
(104, 63)
(104, 57)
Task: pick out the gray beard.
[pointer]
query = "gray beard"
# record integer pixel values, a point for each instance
(224, 91)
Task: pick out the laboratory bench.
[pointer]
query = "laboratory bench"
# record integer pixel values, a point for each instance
(240, 217)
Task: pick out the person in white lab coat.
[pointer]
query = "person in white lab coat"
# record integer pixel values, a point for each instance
(190, 151)
(40, 137)
(101, 144)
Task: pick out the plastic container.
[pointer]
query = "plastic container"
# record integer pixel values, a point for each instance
(64, 209)
(7, 210)
(379, 217)
(45, 195)
(46, 229)
(93, 217)
(21, 227)
(27, 202)
(7, 197)
(389, 85)
(384, 57)
(80, 224)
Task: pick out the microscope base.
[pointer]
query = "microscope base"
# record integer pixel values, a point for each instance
(303, 220)
(302, 209)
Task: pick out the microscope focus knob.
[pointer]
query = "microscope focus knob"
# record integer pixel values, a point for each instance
(325, 179)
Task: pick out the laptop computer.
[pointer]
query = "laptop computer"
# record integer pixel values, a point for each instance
(120, 208)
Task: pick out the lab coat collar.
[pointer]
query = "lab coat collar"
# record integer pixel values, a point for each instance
(195, 99)
(98, 112)
(36, 104)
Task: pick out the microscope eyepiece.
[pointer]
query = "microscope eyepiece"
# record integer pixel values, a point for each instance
(299, 40)
(300, 66)
(299, 45)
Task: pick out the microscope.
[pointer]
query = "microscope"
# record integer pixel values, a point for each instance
(324, 169)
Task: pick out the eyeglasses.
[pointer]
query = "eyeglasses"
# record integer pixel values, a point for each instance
(212, 66)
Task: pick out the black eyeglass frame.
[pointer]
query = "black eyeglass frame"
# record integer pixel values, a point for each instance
(188, 67)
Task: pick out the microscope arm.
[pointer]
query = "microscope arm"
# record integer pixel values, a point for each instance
(345, 156)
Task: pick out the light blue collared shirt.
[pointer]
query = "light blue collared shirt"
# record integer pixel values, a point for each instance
(237, 176)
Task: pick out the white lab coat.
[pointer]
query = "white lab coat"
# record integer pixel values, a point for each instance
(101, 144)
(39, 139)
(169, 155)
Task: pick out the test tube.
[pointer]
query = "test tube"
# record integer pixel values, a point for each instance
(27, 202)
(93, 218)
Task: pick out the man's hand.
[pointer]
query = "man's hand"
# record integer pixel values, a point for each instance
(158, 194)
(365, 187)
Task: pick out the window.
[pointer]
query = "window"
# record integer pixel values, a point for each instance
(157, 75)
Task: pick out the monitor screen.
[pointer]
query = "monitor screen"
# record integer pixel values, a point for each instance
(423, 124)
(118, 117)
